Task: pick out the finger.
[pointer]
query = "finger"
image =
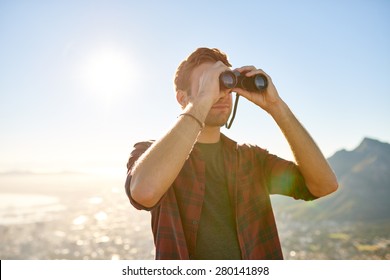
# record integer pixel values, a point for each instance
(250, 71)
(255, 72)
(245, 69)
(221, 66)
(242, 92)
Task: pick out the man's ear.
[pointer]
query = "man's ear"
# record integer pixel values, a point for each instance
(182, 98)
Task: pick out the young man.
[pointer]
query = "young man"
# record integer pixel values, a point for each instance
(208, 195)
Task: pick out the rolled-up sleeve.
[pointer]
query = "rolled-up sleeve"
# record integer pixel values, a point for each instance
(284, 177)
(139, 149)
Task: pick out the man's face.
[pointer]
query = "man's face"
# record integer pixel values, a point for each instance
(220, 111)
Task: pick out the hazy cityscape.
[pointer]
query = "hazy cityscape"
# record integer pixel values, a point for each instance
(82, 217)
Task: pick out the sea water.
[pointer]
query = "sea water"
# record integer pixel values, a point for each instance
(28, 208)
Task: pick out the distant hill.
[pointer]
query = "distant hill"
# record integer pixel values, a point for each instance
(364, 188)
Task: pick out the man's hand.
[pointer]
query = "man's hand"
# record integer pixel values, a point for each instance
(267, 97)
(206, 83)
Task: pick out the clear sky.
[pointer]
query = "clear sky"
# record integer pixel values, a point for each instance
(82, 81)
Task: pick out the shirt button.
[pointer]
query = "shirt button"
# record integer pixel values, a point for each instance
(194, 222)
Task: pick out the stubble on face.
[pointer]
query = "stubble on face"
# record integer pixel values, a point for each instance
(220, 112)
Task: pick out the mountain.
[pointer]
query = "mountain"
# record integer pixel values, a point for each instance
(364, 188)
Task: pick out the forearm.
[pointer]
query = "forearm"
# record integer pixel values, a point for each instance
(159, 166)
(318, 175)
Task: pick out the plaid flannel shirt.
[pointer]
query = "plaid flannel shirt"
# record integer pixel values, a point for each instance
(252, 175)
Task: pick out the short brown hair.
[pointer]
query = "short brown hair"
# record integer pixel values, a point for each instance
(199, 56)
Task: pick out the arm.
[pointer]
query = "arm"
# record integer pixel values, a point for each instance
(318, 175)
(155, 171)
(315, 169)
(158, 167)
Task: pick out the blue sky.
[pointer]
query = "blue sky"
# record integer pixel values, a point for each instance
(82, 81)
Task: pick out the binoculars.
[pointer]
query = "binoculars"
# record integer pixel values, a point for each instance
(234, 79)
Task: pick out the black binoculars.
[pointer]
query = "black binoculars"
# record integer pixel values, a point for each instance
(234, 79)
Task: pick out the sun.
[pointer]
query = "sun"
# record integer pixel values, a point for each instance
(107, 73)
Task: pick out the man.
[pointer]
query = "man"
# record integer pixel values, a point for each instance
(208, 195)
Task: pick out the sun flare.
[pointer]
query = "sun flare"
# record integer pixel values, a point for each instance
(107, 73)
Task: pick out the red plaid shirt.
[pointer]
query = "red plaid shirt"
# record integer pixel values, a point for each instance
(252, 175)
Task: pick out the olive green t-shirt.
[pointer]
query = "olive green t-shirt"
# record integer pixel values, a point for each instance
(217, 234)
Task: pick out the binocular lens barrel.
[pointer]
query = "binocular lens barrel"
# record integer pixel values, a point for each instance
(228, 79)
(234, 79)
(260, 81)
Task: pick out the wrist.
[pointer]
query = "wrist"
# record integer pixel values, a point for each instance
(201, 124)
(199, 108)
(279, 110)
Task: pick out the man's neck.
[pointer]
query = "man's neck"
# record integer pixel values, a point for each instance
(209, 134)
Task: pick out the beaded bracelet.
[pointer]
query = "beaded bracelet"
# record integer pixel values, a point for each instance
(193, 117)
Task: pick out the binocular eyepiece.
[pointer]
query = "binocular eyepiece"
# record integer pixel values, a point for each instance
(234, 79)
